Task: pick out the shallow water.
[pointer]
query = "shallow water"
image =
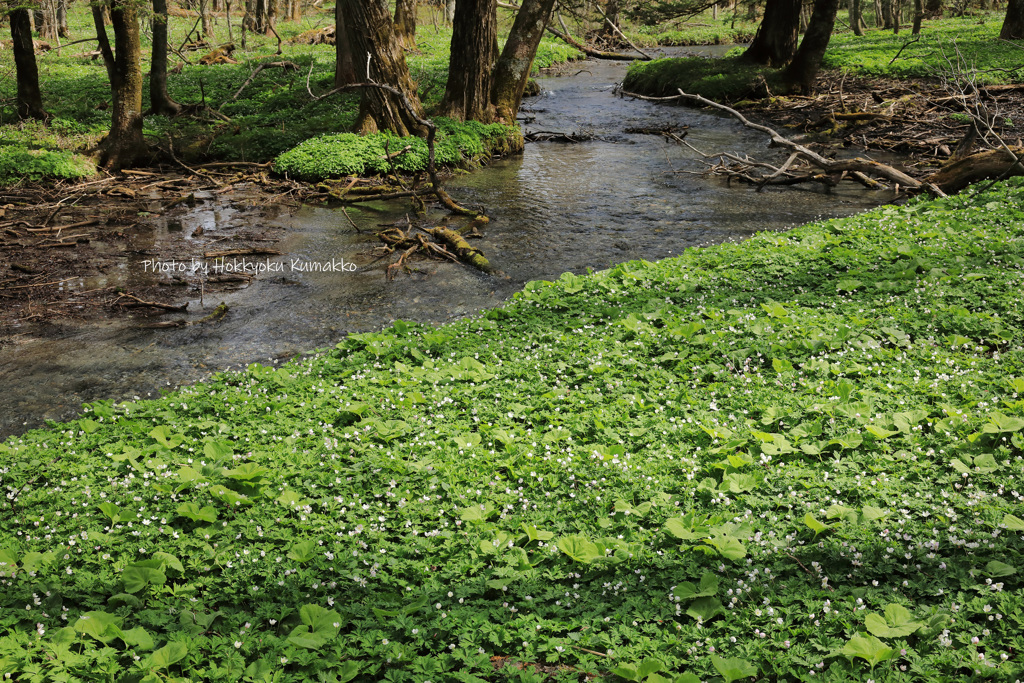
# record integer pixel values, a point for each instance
(558, 207)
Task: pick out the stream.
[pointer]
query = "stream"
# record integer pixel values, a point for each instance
(559, 207)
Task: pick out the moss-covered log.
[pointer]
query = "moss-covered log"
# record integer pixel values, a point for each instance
(990, 164)
(461, 248)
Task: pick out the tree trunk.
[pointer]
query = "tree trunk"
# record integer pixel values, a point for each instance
(124, 145)
(896, 11)
(405, 23)
(344, 64)
(855, 20)
(204, 14)
(516, 60)
(449, 11)
(1013, 25)
(61, 7)
(776, 39)
(933, 9)
(257, 16)
(159, 101)
(296, 11)
(802, 71)
(474, 52)
(46, 20)
(30, 100)
(918, 17)
(371, 35)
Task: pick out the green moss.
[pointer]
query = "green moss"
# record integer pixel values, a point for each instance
(456, 144)
(727, 78)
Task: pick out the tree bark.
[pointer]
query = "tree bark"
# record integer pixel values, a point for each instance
(344, 64)
(990, 164)
(257, 16)
(30, 100)
(124, 145)
(449, 11)
(405, 23)
(1013, 24)
(918, 17)
(776, 39)
(516, 60)
(371, 37)
(474, 52)
(204, 15)
(159, 101)
(802, 71)
(855, 20)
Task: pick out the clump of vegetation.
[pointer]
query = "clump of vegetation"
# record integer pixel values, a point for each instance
(801, 453)
(18, 163)
(724, 79)
(345, 154)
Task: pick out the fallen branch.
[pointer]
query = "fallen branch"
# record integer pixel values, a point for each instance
(591, 52)
(462, 249)
(287, 66)
(827, 165)
(152, 304)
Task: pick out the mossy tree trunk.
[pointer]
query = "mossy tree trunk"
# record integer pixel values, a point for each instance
(371, 37)
(1013, 24)
(124, 144)
(474, 53)
(159, 101)
(30, 100)
(776, 39)
(516, 60)
(802, 71)
(405, 23)
(344, 63)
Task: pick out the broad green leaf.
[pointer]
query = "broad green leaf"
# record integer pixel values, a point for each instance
(141, 574)
(848, 285)
(1013, 523)
(207, 513)
(102, 626)
(815, 526)
(880, 432)
(999, 424)
(705, 609)
(995, 568)
(733, 669)
(227, 496)
(579, 548)
(535, 534)
(467, 441)
(169, 560)
(218, 449)
(649, 666)
(137, 637)
(686, 528)
(729, 547)
(868, 648)
(7, 559)
(708, 588)
(249, 471)
(627, 671)
(169, 654)
(849, 440)
(110, 510)
(165, 438)
(303, 551)
(291, 499)
(33, 562)
(897, 622)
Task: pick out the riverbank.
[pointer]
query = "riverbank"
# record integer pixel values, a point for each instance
(881, 92)
(793, 454)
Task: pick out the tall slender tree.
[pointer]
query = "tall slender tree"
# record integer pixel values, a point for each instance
(370, 34)
(802, 71)
(516, 60)
(474, 52)
(344, 64)
(776, 39)
(160, 101)
(29, 99)
(124, 145)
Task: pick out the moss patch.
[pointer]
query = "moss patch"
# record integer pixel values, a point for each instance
(726, 79)
(347, 154)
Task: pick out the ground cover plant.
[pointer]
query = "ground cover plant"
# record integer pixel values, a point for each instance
(271, 115)
(701, 30)
(795, 458)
